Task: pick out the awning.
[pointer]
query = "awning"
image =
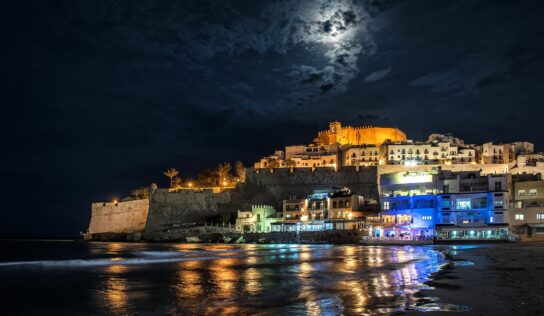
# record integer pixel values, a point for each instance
(535, 225)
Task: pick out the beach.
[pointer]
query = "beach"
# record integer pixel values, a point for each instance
(503, 279)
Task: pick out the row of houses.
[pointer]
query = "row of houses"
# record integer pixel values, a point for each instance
(435, 204)
(337, 150)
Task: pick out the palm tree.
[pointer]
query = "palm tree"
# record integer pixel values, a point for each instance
(171, 173)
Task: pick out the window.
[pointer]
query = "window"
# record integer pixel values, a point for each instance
(491, 219)
(385, 205)
(519, 217)
(498, 186)
(540, 216)
(463, 204)
(426, 218)
(498, 203)
(521, 192)
(532, 192)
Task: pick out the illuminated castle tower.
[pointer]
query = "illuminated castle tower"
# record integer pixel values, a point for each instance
(368, 135)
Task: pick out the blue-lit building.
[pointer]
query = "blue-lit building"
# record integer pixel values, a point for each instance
(442, 204)
(472, 207)
(409, 204)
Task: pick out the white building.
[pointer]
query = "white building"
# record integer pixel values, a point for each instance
(495, 153)
(363, 156)
(410, 153)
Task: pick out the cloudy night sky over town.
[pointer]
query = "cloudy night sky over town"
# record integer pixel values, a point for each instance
(100, 97)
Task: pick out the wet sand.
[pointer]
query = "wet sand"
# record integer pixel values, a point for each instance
(505, 279)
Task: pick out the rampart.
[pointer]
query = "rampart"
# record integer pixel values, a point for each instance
(122, 217)
(283, 182)
(169, 210)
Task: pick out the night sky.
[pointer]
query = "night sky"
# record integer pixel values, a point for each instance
(100, 97)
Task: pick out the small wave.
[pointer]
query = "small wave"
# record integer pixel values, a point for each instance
(76, 263)
(160, 254)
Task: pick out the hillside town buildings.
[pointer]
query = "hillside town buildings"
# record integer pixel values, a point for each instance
(379, 146)
(454, 194)
(441, 189)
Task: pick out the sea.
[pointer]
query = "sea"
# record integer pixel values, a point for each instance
(39, 277)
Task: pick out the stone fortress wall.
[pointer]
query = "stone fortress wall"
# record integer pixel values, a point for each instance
(122, 217)
(170, 210)
(167, 211)
(282, 183)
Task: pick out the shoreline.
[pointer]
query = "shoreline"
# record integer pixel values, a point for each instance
(500, 279)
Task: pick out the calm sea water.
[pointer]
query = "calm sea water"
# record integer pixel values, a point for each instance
(77, 278)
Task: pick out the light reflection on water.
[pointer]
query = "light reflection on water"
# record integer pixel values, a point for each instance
(253, 279)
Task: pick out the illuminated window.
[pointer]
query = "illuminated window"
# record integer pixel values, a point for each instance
(463, 204)
(532, 192)
(521, 192)
(385, 205)
(499, 202)
(426, 218)
(540, 216)
(519, 217)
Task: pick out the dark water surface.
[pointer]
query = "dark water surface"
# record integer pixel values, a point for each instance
(76, 278)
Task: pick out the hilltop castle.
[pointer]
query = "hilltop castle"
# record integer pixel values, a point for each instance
(367, 135)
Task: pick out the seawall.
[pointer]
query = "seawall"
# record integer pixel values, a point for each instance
(122, 217)
(171, 210)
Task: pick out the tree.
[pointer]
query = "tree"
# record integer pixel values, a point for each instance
(291, 163)
(207, 178)
(176, 183)
(140, 193)
(240, 171)
(223, 171)
(171, 173)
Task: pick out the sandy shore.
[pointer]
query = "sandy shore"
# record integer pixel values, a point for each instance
(505, 279)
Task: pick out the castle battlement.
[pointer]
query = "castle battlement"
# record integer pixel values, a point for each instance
(367, 134)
